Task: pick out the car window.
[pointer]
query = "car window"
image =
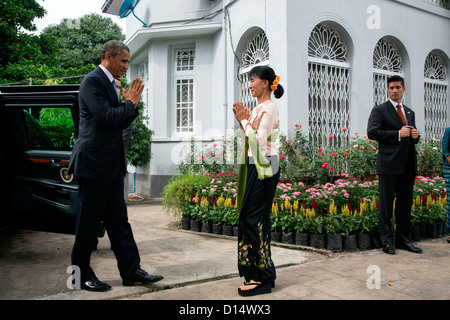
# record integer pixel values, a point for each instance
(49, 128)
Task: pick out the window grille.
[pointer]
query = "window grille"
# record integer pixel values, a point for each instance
(143, 74)
(184, 89)
(185, 105)
(435, 97)
(386, 63)
(256, 54)
(185, 59)
(442, 3)
(328, 88)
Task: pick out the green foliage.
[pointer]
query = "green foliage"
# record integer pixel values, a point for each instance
(81, 41)
(58, 125)
(179, 190)
(16, 17)
(429, 159)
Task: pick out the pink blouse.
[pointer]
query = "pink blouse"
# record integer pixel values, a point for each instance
(269, 124)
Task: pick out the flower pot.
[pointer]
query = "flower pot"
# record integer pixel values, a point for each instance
(438, 229)
(431, 230)
(415, 233)
(334, 242)
(349, 243)
(276, 236)
(217, 228)
(364, 241)
(288, 237)
(185, 223)
(235, 231)
(227, 230)
(302, 238)
(376, 242)
(423, 231)
(206, 227)
(195, 225)
(317, 240)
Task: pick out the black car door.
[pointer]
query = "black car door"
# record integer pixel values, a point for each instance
(43, 132)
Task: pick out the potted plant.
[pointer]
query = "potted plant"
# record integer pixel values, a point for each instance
(315, 229)
(275, 223)
(334, 227)
(301, 229)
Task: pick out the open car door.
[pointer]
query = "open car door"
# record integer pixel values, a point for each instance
(43, 125)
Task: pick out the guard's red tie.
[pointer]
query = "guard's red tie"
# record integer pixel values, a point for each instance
(400, 113)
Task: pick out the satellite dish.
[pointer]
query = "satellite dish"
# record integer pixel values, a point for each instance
(127, 7)
(124, 8)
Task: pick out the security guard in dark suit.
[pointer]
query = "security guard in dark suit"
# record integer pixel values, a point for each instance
(98, 162)
(393, 125)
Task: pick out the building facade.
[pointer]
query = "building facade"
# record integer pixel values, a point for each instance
(333, 58)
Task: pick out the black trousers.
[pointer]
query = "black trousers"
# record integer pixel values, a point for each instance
(103, 199)
(254, 230)
(399, 187)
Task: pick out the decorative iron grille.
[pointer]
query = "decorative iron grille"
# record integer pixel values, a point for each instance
(328, 88)
(386, 63)
(435, 98)
(256, 53)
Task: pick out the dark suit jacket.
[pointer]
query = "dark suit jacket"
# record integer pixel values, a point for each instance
(99, 150)
(394, 156)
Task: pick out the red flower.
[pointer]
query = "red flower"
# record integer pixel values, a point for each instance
(282, 157)
(319, 150)
(345, 153)
(330, 136)
(332, 154)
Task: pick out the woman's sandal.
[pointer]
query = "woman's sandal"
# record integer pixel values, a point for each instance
(272, 284)
(261, 288)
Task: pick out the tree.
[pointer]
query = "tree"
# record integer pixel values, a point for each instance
(16, 17)
(81, 40)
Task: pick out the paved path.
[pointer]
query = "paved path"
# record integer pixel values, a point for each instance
(195, 266)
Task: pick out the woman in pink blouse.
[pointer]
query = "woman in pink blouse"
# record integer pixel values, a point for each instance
(258, 178)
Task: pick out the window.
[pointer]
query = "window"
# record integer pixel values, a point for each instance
(255, 54)
(49, 128)
(387, 62)
(144, 75)
(435, 99)
(184, 89)
(328, 88)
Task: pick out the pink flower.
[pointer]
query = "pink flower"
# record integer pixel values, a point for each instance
(282, 157)
(325, 165)
(344, 129)
(330, 167)
(214, 145)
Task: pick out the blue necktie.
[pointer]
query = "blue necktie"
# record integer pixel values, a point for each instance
(115, 88)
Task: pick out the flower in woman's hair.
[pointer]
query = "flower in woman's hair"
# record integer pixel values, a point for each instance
(275, 83)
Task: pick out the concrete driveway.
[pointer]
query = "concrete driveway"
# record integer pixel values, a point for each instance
(196, 266)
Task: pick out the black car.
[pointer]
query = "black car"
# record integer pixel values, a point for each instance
(38, 127)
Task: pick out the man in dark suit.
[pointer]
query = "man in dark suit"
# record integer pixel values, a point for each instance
(393, 125)
(98, 162)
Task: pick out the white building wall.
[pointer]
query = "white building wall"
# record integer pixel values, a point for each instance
(416, 27)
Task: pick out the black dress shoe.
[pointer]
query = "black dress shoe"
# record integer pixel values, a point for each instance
(142, 277)
(95, 285)
(389, 249)
(408, 246)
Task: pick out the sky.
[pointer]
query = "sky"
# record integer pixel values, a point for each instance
(60, 9)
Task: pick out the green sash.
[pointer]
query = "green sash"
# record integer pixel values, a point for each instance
(262, 165)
